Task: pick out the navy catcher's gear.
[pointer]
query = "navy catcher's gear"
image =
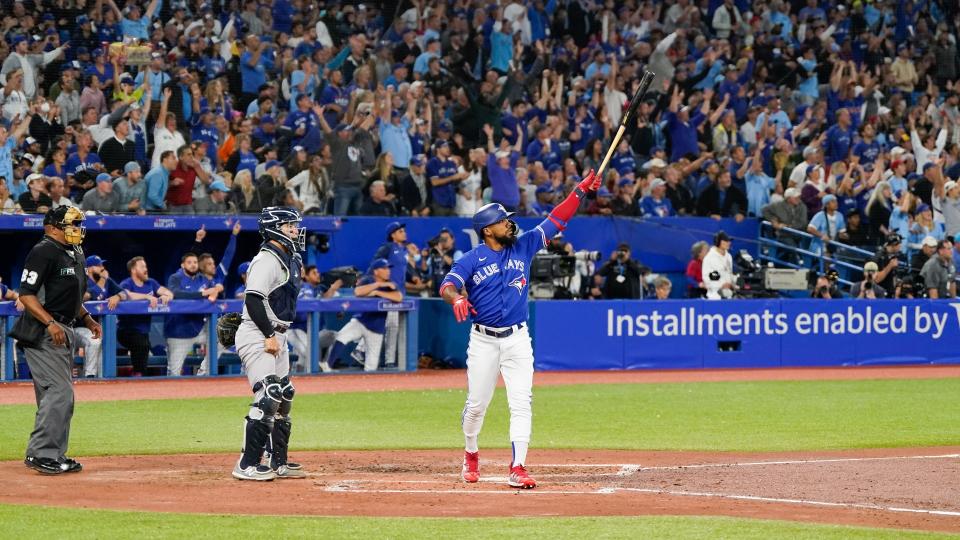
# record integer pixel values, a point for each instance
(279, 443)
(288, 391)
(488, 215)
(260, 420)
(273, 217)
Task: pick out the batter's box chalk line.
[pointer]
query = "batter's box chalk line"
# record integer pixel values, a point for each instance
(629, 469)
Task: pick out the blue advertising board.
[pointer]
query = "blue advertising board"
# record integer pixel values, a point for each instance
(575, 335)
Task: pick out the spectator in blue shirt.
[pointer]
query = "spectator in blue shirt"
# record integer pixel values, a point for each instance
(543, 149)
(683, 128)
(157, 181)
(255, 62)
(334, 98)
(656, 204)
(868, 149)
(759, 185)
(422, 64)
(501, 48)
(135, 25)
(443, 175)
(305, 125)
(303, 81)
(394, 133)
(839, 138)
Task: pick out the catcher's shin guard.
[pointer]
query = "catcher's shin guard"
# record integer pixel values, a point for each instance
(280, 436)
(260, 420)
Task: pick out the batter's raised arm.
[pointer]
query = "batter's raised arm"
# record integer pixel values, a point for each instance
(558, 218)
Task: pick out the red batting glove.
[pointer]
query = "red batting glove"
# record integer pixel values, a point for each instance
(462, 308)
(591, 182)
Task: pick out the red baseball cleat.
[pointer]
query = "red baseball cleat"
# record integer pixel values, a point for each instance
(471, 467)
(520, 479)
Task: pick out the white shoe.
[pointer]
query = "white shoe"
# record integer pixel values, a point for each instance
(325, 367)
(284, 471)
(260, 473)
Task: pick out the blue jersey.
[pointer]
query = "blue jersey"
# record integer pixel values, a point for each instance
(496, 281)
(310, 123)
(375, 321)
(184, 287)
(397, 255)
(97, 292)
(445, 195)
(137, 323)
(75, 164)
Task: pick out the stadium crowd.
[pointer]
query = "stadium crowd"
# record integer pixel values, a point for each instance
(841, 121)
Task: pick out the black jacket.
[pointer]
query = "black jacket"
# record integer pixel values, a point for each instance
(709, 202)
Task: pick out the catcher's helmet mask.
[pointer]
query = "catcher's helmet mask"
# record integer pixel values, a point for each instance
(68, 219)
(271, 222)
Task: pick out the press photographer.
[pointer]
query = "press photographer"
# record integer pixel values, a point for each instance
(868, 289)
(826, 287)
(621, 275)
(939, 274)
(887, 260)
(440, 255)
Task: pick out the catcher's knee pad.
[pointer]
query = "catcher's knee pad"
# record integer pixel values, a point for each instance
(287, 392)
(271, 396)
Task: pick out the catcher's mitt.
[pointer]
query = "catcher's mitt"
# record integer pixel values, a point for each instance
(227, 327)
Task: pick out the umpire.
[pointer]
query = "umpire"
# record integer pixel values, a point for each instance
(51, 289)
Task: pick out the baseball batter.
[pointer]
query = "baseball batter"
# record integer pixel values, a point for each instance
(494, 277)
(270, 305)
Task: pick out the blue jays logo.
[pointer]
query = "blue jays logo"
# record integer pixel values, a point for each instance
(519, 283)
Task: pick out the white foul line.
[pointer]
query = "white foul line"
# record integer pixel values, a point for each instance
(614, 490)
(626, 469)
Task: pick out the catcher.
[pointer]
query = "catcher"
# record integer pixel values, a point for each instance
(270, 304)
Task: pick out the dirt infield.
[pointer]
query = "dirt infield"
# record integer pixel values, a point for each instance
(900, 488)
(167, 388)
(913, 488)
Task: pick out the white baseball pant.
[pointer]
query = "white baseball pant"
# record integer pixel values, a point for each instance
(353, 331)
(179, 348)
(391, 337)
(91, 351)
(487, 358)
(257, 363)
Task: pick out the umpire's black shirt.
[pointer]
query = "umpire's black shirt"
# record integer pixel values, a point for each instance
(54, 273)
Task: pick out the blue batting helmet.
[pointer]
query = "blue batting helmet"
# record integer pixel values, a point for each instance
(273, 217)
(489, 214)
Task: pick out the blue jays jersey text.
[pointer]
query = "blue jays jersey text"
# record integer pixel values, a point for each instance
(496, 281)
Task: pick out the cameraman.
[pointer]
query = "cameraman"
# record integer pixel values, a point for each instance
(621, 275)
(718, 276)
(887, 260)
(868, 288)
(826, 288)
(440, 256)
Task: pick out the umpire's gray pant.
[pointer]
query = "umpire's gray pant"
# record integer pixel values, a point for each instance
(51, 367)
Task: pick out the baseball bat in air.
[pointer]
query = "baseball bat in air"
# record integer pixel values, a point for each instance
(627, 117)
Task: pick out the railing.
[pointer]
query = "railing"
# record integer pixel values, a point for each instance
(770, 246)
(407, 350)
(166, 222)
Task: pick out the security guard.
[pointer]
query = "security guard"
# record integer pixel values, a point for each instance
(51, 289)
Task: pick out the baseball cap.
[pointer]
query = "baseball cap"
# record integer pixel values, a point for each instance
(267, 119)
(34, 176)
(928, 165)
(29, 140)
(604, 192)
(445, 125)
(218, 185)
(130, 167)
(94, 260)
(655, 163)
(790, 193)
(298, 148)
(625, 182)
(29, 157)
(418, 160)
(657, 182)
(242, 269)
(441, 143)
(554, 167)
(393, 227)
(104, 177)
(929, 241)
(871, 267)
(271, 163)
(829, 198)
(544, 188)
(923, 208)
(380, 263)
(949, 185)
(656, 149)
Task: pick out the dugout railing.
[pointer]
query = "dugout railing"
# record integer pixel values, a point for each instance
(407, 349)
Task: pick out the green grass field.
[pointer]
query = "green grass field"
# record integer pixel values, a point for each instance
(725, 416)
(742, 416)
(35, 522)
